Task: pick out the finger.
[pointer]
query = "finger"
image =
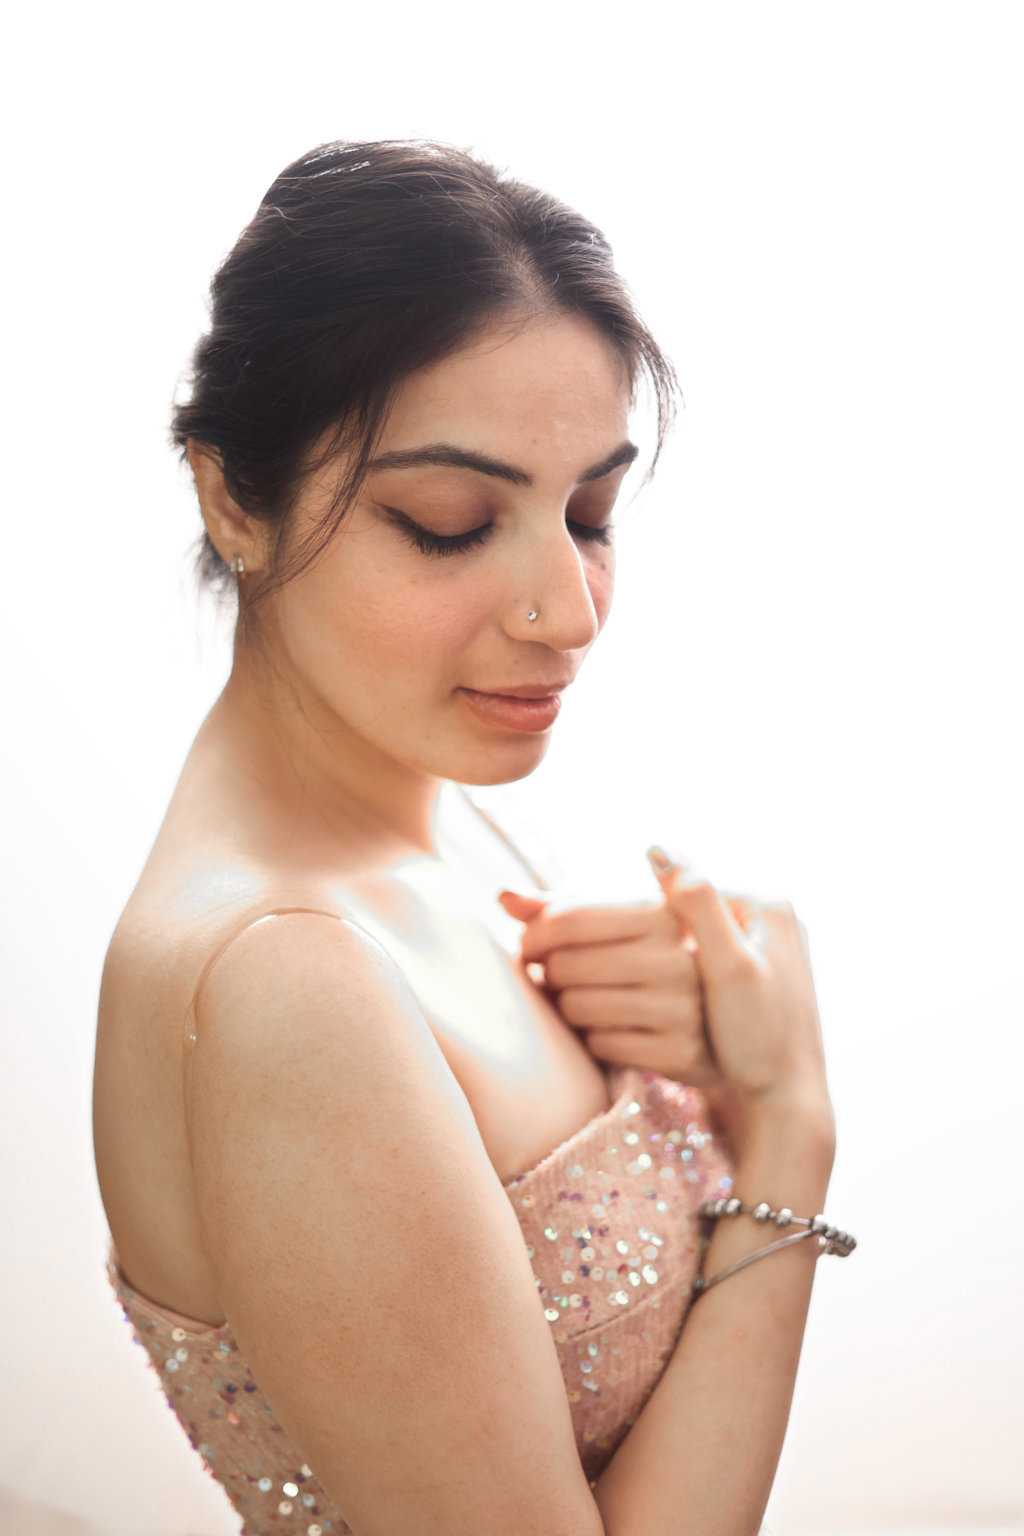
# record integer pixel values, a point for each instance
(634, 1047)
(636, 962)
(700, 907)
(741, 907)
(624, 1047)
(632, 1008)
(588, 925)
(523, 908)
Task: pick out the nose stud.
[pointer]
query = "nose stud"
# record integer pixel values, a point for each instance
(532, 615)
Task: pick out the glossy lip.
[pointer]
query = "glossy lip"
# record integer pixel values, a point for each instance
(527, 715)
(524, 690)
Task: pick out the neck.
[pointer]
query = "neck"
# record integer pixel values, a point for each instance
(321, 784)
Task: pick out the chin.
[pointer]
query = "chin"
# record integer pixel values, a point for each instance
(523, 755)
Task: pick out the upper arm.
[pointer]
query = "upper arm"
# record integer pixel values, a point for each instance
(367, 1259)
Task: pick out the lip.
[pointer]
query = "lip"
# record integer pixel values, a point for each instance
(523, 710)
(523, 690)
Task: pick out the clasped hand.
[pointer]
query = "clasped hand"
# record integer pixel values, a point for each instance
(625, 978)
(709, 988)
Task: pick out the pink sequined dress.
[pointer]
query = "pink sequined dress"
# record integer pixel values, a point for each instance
(610, 1226)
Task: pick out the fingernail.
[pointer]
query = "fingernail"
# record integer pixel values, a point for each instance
(661, 860)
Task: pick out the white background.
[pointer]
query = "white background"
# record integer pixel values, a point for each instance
(810, 683)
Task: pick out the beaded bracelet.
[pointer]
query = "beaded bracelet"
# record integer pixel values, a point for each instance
(830, 1239)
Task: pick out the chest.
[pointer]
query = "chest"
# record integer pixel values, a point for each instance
(528, 1077)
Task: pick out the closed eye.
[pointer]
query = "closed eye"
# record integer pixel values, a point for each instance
(591, 534)
(443, 544)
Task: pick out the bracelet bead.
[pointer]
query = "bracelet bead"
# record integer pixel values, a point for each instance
(831, 1239)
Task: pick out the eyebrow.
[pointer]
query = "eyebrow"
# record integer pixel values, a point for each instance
(449, 456)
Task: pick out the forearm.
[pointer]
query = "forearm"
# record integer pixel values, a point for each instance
(701, 1457)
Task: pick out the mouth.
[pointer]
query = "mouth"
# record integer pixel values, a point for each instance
(528, 708)
(524, 690)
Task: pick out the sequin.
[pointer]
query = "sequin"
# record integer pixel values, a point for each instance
(588, 1216)
(314, 1530)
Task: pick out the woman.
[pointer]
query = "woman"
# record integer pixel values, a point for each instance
(331, 1064)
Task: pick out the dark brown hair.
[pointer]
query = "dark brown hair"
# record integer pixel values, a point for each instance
(363, 263)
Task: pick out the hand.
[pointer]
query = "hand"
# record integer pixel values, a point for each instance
(761, 1012)
(626, 979)
(711, 989)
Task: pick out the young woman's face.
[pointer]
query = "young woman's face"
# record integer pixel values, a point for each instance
(489, 499)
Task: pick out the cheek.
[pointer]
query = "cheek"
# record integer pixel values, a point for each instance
(601, 582)
(400, 631)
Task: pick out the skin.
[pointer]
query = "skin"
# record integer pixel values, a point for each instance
(318, 774)
(339, 704)
(329, 701)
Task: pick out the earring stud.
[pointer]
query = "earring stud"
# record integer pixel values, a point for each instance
(238, 565)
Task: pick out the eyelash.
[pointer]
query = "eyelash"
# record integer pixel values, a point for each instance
(440, 544)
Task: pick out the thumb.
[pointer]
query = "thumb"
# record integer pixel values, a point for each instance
(523, 908)
(699, 907)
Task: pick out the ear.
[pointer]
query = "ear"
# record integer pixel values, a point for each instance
(232, 532)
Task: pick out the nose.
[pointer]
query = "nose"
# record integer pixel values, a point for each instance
(550, 579)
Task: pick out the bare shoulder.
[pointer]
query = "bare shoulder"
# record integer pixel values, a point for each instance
(295, 986)
(175, 922)
(367, 1258)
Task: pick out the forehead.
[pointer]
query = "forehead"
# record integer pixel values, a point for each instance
(552, 387)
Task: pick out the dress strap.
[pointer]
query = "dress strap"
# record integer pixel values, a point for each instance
(249, 920)
(535, 876)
